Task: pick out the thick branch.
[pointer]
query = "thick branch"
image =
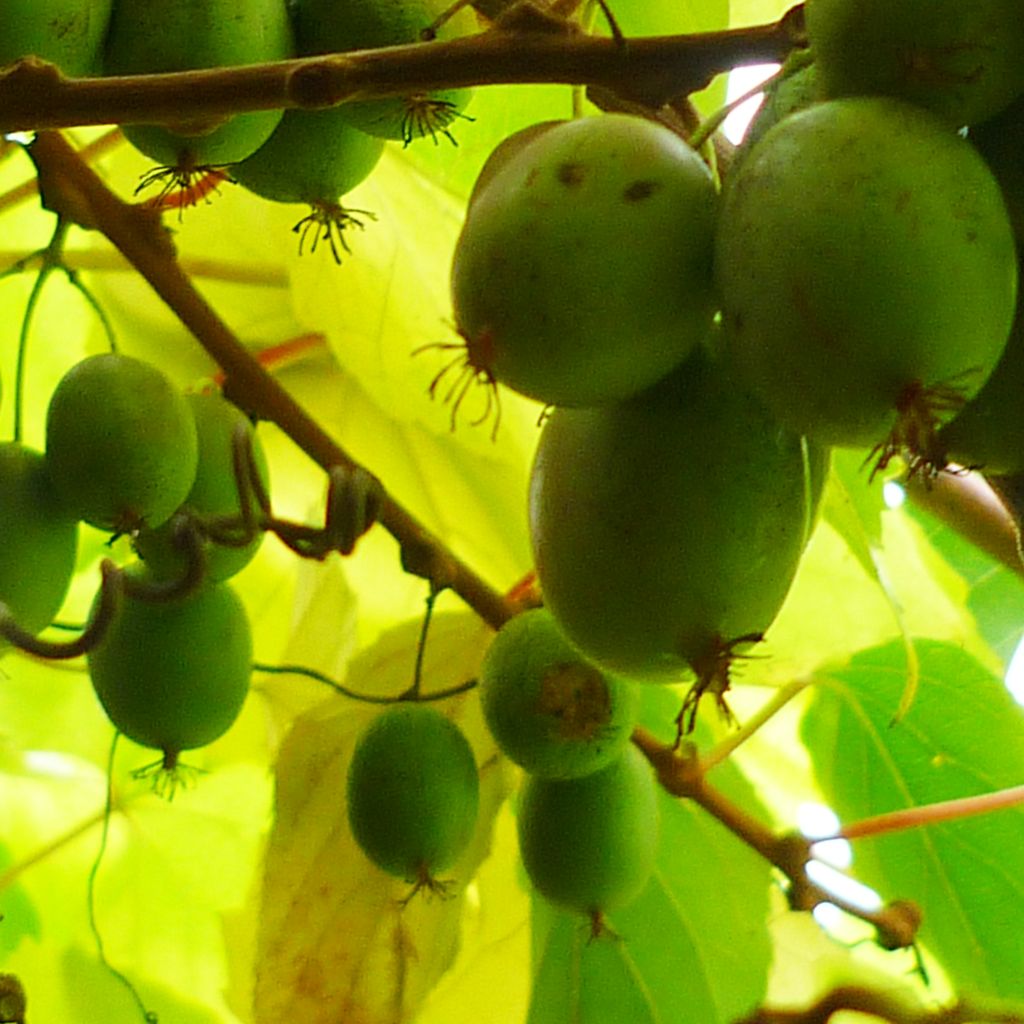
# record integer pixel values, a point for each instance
(70, 186)
(652, 70)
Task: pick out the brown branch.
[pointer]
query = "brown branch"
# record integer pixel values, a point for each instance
(884, 1006)
(680, 774)
(971, 506)
(653, 70)
(68, 185)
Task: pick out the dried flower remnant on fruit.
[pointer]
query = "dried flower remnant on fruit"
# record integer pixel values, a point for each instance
(577, 696)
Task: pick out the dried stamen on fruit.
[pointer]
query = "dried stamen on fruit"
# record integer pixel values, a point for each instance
(577, 696)
(922, 410)
(467, 373)
(425, 115)
(713, 671)
(328, 222)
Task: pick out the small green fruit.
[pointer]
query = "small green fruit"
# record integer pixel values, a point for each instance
(325, 26)
(173, 675)
(589, 844)
(960, 60)
(37, 558)
(413, 792)
(583, 271)
(214, 493)
(989, 431)
(67, 32)
(550, 710)
(182, 35)
(121, 445)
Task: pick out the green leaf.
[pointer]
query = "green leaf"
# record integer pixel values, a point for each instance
(335, 939)
(693, 948)
(963, 736)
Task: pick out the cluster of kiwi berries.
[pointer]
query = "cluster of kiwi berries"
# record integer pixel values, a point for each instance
(854, 284)
(701, 350)
(128, 453)
(588, 815)
(311, 157)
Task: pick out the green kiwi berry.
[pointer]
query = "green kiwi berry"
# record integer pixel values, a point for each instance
(548, 708)
(413, 792)
(173, 675)
(37, 558)
(589, 844)
(121, 444)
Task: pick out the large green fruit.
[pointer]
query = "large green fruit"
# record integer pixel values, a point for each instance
(1001, 142)
(961, 60)
(583, 271)
(413, 792)
(668, 527)
(548, 708)
(121, 445)
(182, 35)
(67, 32)
(989, 432)
(173, 675)
(214, 492)
(867, 271)
(37, 557)
(326, 26)
(589, 844)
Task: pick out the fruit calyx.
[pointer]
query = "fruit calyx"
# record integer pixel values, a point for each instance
(426, 115)
(182, 184)
(328, 221)
(471, 364)
(714, 676)
(921, 412)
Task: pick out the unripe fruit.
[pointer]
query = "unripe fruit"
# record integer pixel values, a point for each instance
(325, 26)
(313, 157)
(960, 60)
(867, 271)
(583, 271)
(550, 710)
(121, 444)
(782, 97)
(668, 527)
(589, 844)
(37, 557)
(1001, 142)
(182, 35)
(413, 792)
(989, 431)
(173, 675)
(67, 32)
(214, 493)
(503, 154)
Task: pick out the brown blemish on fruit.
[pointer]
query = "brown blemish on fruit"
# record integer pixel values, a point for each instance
(570, 174)
(637, 191)
(577, 696)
